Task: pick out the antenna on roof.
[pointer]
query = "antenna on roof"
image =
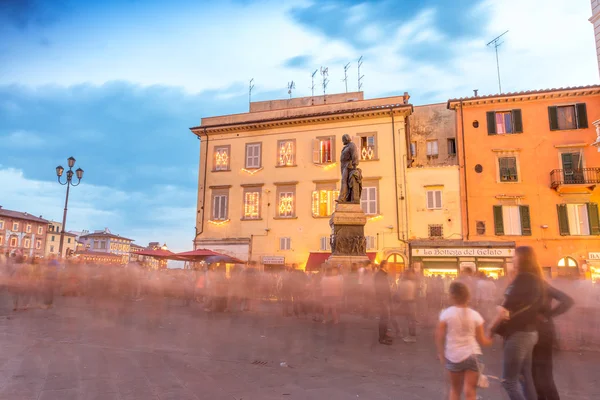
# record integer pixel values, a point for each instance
(496, 42)
(312, 88)
(345, 80)
(325, 74)
(360, 63)
(291, 86)
(250, 87)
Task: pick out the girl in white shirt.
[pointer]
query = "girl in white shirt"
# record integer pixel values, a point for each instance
(459, 336)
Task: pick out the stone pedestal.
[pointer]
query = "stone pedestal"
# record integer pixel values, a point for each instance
(348, 243)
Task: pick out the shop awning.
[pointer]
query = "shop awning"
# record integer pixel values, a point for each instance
(315, 260)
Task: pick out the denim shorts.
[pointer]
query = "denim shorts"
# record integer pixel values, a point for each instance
(469, 364)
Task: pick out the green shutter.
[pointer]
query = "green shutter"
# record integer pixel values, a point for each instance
(517, 121)
(563, 220)
(491, 122)
(498, 221)
(594, 218)
(582, 122)
(525, 221)
(553, 118)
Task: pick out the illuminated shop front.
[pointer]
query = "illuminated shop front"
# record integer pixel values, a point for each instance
(448, 257)
(593, 265)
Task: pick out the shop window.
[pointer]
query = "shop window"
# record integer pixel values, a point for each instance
(452, 147)
(432, 149)
(253, 155)
(285, 243)
(252, 203)
(436, 231)
(368, 200)
(480, 226)
(434, 199)
(573, 116)
(286, 153)
(508, 169)
(512, 220)
(221, 162)
(323, 202)
(504, 122)
(371, 242)
(578, 219)
(325, 243)
(323, 150)
(366, 146)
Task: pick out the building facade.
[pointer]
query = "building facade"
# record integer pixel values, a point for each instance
(530, 174)
(100, 243)
(595, 20)
(22, 234)
(269, 178)
(53, 241)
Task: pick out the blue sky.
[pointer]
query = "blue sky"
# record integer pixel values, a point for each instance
(118, 83)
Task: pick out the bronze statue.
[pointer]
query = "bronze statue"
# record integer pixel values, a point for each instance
(351, 187)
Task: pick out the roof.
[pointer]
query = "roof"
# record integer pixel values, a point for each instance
(136, 246)
(21, 215)
(98, 253)
(527, 95)
(104, 235)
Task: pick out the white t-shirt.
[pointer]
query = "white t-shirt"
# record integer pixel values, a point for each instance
(461, 341)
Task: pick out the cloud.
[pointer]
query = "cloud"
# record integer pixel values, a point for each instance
(298, 62)
(22, 139)
(23, 14)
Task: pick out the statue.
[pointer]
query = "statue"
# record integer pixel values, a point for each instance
(351, 187)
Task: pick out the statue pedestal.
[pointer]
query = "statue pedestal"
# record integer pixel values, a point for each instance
(348, 243)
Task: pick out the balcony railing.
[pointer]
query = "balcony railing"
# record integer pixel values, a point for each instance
(581, 176)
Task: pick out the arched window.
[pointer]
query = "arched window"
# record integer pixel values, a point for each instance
(567, 262)
(395, 264)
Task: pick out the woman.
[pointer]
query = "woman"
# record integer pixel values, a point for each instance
(516, 323)
(542, 352)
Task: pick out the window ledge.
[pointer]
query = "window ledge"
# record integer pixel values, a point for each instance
(221, 170)
(294, 217)
(250, 219)
(321, 216)
(371, 159)
(508, 182)
(286, 166)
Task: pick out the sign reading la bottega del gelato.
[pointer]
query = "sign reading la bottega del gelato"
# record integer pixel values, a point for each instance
(463, 252)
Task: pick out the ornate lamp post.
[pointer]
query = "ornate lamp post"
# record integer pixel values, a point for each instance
(59, 172)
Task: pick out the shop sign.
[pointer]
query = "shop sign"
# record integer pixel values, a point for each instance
(273, 260)
(594, 256)
(464, 252)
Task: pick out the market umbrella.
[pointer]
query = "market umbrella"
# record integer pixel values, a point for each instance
(223, 258)
(209, 256)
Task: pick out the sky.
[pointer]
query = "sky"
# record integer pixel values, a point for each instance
(118, 83)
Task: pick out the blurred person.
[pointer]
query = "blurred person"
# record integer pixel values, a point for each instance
(351, 293)
(285, 292)
(383, 299)
(20, 284)
(459, 336)
(332, 287)
(299, 293)
(516, 323)
(543, 377)
(407, 302)
(316, 296)
(485, 296)
(251, 287)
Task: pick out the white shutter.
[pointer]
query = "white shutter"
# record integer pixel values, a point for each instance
(511, 217)
(223, 208)
(315, 203)
(316, 149)
(325, 243)
(438, 199)
(430, 200)
(435, 148)
(370, 242)
(373, 200)
(215, 208)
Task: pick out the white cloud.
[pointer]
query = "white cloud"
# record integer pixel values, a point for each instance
(22, 139)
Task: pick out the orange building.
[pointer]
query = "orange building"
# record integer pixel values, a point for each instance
(530, 169)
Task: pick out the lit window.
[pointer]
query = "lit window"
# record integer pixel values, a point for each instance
(325, 243)
(451, 147)
(367, 147)
(567, 262)
(508, 169)
(436, 231)
(323, 202)
(434, 199)
(40, 230)
(222, 158)
(252, 205)
(371, 242)
(13, 241)
(285, 243)
(286, 204)
(368, 200)
(432, 148)
(286, 153)
(323, 150)
(15, 226)
(253, 152)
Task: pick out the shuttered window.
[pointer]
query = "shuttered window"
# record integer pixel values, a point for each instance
(323, 150)
(253, 153)
(368, 200)
(578, 219)
(512, 221)
(504, 122)
(325, 244)
(219, 208)
(285, 243)
(432, 148)
(434, 199)
(371, 243)
(508, 169)
(573, 116)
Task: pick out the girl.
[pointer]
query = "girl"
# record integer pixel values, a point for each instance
(459, 335)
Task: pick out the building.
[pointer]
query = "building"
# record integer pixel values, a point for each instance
(53, 240)
(100, 243)
(595, 20)
(269, 178)
(530, 175)
(22, 233)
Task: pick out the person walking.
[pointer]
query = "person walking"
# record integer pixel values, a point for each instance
(332, 287)
(383, 298)
(516, 323)
(543, 377)
(407, 304)
(459, 336)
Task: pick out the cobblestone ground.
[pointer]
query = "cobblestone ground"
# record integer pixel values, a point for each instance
(148, 350)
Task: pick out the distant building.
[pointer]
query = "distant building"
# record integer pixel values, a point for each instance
(53, 240)
(595, 20)
(104, 242)
(22, 233)
(149, 262)
(432, 136)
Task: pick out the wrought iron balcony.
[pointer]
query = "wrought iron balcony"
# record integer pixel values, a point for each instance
(568, 177)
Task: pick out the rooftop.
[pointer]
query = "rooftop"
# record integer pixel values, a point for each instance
(104, 234)
(21, 215)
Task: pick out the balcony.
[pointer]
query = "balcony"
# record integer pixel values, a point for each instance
(563, 180)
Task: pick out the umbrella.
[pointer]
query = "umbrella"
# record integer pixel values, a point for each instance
(208, 255)
(222, 258)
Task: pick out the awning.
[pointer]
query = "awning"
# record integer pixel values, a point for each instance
(209, 256)
(315, 260)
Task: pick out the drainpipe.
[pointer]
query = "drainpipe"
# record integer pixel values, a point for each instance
(462, 129)
(198, 233)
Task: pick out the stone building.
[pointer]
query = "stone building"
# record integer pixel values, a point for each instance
(105, 247)
(53, 240)
(22, 233)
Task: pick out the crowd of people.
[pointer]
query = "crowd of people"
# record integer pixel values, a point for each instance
(469, 310)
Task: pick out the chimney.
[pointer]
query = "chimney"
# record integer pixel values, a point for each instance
(475, 92)
(406, 97)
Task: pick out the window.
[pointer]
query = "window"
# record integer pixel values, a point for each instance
(371, 242)
(285, 243)
(221, 162)
(451, 147)
(40, 230)
(480, 226)
(15, 226)
(1, 224)
(436, 231)
(508, 169)
(323, 150)
(253, 152)
(69, 240)
(325, 243)
(286, 205)
(413, 149)
(1, 240)
(252, 203)
(368, 200)
(26, 243)
(286, 153)
(51, 249)
(323, 202)
(13, 241)
(367, 147)
(504, 122)
(572, 164)
(103, 245)
(573, 116)
(432, 148)
(52, 238)
(434, 199)
(38, 244)
(578, 219)
(512, 220)
(28, 228)
(219, 207)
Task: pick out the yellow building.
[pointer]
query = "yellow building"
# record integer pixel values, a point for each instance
(53, 240)
(269, 178)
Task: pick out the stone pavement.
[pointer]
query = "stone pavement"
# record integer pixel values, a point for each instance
(148, 350)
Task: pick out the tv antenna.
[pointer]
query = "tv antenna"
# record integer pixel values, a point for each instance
(345, 80)
(250, 87)
(291, 86)
(312, 88)
(325, 74)
(360, 63)
(496, 42)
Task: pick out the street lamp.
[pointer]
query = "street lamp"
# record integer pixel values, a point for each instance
(79, 174)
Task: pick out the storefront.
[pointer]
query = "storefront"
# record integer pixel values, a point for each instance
(447, 258)
(593, 266)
